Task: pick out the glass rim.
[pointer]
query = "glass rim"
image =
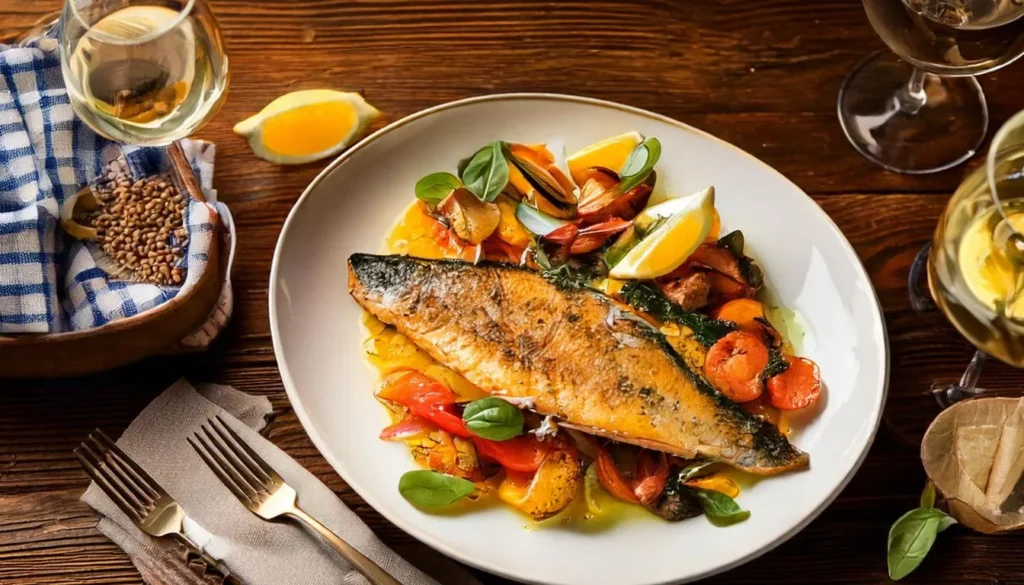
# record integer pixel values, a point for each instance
(183, 13)
(992, 159)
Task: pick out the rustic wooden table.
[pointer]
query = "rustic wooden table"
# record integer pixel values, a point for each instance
(762, 75)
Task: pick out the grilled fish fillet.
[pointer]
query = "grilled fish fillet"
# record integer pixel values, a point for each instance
(514, 334)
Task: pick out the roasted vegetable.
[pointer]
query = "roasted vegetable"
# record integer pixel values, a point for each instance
(549, 490)
(734, 365)
(799, 386)
(471, 218)
(677, 503)
(510, 230)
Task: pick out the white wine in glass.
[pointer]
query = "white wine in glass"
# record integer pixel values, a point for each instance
(143, 72)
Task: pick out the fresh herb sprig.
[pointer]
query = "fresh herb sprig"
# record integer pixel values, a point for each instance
(645, 297)
(913, 535)
(486, 174)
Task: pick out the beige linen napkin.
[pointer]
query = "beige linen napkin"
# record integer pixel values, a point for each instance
(254, 551)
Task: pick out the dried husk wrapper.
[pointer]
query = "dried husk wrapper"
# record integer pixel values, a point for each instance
(974, 454)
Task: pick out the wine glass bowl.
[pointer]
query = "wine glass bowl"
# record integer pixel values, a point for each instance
(918, 109)
(143, 72)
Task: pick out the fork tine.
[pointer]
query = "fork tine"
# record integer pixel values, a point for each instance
(254, 470)
(117, 467)
(216, 469)
(113, 475)
(112, 492)
(268, 471)
(144, 480)
(217, 451)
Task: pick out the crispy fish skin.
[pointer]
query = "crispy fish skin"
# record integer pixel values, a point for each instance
(513, 333)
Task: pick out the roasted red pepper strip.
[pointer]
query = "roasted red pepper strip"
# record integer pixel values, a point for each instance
(524, 453)
(608, 475)
(427, 398)
(651, 476)
(407, 428)
(593, 237)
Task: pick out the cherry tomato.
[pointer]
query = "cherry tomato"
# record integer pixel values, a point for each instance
(798, 387)
(524, 453)
(427, 398)
(609, 476)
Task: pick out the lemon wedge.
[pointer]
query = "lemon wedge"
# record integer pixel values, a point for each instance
(989, 273)
(610, 154)
(304, 126)
(684, 225)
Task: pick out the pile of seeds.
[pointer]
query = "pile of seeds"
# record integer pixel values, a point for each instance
(140, 225)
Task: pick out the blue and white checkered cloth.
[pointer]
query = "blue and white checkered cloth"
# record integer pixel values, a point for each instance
(49, 283)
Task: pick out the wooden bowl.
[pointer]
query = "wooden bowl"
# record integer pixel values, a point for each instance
(125, 340)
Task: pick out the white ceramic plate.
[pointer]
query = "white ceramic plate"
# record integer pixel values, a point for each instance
(809, 265)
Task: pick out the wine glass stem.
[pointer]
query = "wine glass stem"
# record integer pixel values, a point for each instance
(912, 97)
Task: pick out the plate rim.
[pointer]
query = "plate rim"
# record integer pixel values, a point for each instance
(428, 539)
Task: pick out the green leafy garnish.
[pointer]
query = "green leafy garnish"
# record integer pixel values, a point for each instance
(645, 297)
(639, 164)
(436, 186)
(493, 418)
(720, 509)
(776, 363)
(913, 535)
(430, 489)
(487, 172)
(571, 274)
(626, 241)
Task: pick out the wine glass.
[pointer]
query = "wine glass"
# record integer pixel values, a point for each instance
(975, 272)
(143, 72)
(918, 109)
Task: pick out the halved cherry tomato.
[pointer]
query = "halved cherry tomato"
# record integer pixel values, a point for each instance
(407, 428)
(609, 476)
(798, 387)
(593, 237)
(734, 365)
(524, 453)
(427, 398)
(651, 476)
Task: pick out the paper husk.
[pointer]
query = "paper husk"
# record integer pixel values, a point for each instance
(974, 454)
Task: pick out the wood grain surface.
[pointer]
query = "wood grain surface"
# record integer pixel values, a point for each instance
(763, 75)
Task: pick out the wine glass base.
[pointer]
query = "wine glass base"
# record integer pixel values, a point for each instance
(907, 137)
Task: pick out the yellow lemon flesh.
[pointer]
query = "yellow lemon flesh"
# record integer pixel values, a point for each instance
(304, 126)
(989, 274)
(610, 154)
(687, 223)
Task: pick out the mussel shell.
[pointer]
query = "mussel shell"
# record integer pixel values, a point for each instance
(550, 190)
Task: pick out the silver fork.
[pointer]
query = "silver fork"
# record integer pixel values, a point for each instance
(137, 494)
(264, 493)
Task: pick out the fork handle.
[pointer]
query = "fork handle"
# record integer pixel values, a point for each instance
(368, 568)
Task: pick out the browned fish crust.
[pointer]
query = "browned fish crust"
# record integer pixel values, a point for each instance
(577, 354)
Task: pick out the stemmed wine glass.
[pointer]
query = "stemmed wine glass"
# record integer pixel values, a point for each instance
(975, 271)
(143, 72)
(918, 109)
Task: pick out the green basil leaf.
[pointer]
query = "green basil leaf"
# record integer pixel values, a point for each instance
(928, 496)
(720, 509)
(493, 418)
(430, 489)
(537, 222)
(695, 469)
(639, 164)
(436, 186)
(487, 172)
(911, 537)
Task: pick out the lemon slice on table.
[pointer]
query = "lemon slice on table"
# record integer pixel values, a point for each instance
(684, 225)
(304, 126)
(610, 154)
